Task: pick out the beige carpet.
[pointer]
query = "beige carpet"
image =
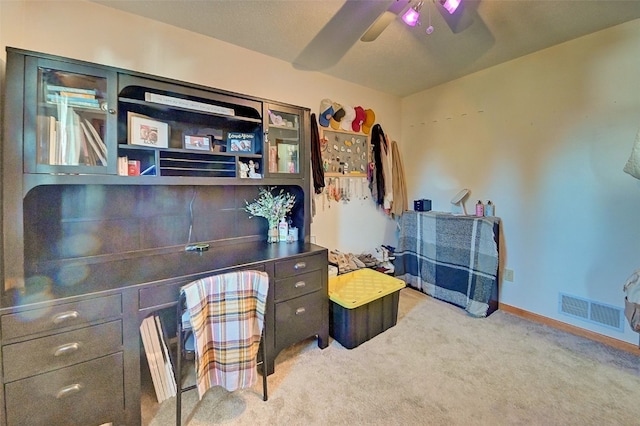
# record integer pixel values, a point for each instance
(437, 366)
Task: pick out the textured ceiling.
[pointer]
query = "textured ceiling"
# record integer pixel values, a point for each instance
(402, 60)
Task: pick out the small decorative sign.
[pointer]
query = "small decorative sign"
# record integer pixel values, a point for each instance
(188, 104)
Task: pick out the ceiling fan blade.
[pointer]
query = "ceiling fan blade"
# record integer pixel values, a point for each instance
(342, 31)
(384, 20)
(378, 27)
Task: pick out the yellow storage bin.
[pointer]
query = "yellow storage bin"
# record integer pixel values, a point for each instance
(364, 303)
(361, 287)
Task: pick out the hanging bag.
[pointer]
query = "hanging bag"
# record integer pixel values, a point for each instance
(632, 301)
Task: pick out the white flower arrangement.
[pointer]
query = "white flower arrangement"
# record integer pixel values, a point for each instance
(274, 208)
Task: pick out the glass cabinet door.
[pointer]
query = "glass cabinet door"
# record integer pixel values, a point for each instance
(284, 141)
(73, 118)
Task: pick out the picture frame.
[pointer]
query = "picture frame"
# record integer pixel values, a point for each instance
(147, 132)
(197, 142)
(240, 142)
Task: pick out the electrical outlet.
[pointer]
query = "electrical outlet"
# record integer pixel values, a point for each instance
(508, 275)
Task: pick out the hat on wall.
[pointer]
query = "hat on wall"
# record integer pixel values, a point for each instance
(336, 118)
(359, 118)
(369, 120)
(326, 111)
(347, 120)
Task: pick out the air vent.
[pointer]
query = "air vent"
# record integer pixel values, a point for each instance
(592, 311)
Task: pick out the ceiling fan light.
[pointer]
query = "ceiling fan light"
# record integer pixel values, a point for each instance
(450, 5)
(412, 15)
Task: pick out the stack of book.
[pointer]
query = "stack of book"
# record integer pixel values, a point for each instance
(72, 96)
(155, 347)
(69, 139)
(127, 167)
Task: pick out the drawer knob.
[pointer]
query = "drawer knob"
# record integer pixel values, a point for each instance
(300, 284)
(69, 390)
(300, 265)
(65, 316)
(300, 311)
(67, 349)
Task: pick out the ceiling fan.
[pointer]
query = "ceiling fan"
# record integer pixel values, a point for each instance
(362, 20)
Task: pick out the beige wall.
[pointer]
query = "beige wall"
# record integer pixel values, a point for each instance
(92, 32)
(545, 137)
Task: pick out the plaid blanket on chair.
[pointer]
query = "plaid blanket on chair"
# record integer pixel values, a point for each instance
(452, 258)
(227, 317)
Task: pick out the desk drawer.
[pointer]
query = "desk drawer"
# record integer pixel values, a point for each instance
(166, 294)
(59, 316)
(160, 295)
(298, 285)
(90, 393)
(300, 265)
(60, 350)
(299, 318)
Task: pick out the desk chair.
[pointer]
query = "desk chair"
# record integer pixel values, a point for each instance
(225, 316)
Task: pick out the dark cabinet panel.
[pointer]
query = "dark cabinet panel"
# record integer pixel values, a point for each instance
(60, 316)
(298, 318)
(89, 393)
(36, 356)
(297, 266)
(298, 285)
(94, 246)
(300, 307)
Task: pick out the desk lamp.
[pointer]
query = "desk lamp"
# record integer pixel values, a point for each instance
(458, 202)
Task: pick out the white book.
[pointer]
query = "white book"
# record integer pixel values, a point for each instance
(75, 141)
(59, 132)
(53, 140)
(171, 379)
(123, 166)
(94, 146)
(152, 360)
(54, 88)
(157, 351)
(63, 133)
(97, 138)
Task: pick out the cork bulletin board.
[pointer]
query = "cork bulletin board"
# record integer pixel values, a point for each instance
(344, 153)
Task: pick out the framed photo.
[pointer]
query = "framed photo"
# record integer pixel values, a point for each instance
(240, 142)
(147, 132)
(198, 143)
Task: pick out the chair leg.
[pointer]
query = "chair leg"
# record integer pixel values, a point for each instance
(265, 395)
(178, 372)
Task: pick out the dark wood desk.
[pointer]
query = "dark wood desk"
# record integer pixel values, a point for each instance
(73, 332)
